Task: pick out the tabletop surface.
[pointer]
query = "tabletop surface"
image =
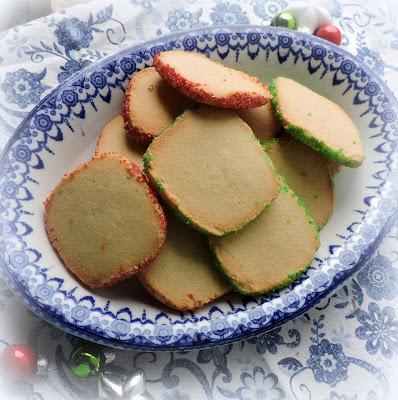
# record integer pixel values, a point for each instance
(343, 349)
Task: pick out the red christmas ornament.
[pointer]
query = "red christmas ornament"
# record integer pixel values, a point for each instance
(18, 361)
(330, 33)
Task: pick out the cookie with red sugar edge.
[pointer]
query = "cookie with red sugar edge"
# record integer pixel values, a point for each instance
(151, 105)
(183, 276)
(113, 139)
(104, 220)
(210, 82)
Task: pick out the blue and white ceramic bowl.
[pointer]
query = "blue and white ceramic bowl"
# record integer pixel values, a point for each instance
(62, 130)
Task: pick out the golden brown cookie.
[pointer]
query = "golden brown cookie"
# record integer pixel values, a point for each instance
(262, 120)
(272, 251)
(113, 139)
(183, 275)
(210, 82)
(151, 105)
(307, 174)
(104, 220)
(317, 121)
(212, 170)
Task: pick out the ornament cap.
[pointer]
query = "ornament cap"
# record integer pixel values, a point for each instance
(134, 383)
(122, 386)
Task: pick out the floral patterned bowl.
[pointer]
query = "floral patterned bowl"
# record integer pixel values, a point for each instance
(62, 130)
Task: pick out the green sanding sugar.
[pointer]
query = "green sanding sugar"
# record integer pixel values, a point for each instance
(159, 185)
(148, 158)
(284, 187)
(318, 145)
(305, 137)
(270, 143)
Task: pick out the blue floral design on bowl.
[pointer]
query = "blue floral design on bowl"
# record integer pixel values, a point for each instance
(63, 120)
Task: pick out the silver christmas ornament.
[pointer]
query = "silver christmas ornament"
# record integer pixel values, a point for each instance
(118, 386)
(110, 385)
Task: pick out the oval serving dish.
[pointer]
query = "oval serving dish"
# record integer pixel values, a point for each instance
(62, 130)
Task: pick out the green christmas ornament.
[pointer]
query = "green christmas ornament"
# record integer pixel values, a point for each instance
(284, 20)
(86, 361)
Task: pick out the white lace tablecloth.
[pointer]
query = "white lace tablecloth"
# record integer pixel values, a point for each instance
(344, 349)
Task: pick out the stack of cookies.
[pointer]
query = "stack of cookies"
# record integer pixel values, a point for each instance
(208, 180)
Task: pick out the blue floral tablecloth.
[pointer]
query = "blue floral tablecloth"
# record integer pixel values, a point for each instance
(344, 349)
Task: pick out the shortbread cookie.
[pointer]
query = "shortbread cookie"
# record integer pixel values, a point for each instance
(212, 170)
(262, 120)
(272, 251)
(104, 220)
(151, 105)
(113, 139)
(183, 275)
(317, 121)
(210, 82)
(307, 174)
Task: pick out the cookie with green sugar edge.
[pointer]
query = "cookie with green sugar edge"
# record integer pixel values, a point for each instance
(317, 122)
(189, 221)
(284, 187)
(270, 143)
(307, 173)
(212, 170)
(272, 251)
(235, 285)
(148, 157)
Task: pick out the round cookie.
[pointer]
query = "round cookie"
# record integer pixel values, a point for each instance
(262, 121)
(317, 121)
(211, 169)
(307, 174)
(151, 105)
(210, 82)
(104, 220)
(183, 275)
(272, 251)
(113, 139)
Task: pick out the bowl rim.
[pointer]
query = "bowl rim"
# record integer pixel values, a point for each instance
(74, 329)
